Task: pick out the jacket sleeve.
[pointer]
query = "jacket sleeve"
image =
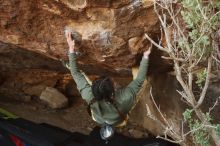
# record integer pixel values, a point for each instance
(136, 84)
(126, 96)
(82, 84)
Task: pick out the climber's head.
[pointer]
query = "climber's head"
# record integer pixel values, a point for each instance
(103, 88)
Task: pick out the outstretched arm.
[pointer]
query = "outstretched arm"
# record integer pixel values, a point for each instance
(136, 84)
(82, 84)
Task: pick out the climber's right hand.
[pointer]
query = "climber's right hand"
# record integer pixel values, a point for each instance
(71, 43)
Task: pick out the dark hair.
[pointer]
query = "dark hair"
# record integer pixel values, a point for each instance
(103, 88)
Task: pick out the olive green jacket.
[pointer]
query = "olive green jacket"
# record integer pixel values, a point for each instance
(103, 112)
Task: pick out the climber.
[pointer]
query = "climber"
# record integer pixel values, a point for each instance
(107, 106)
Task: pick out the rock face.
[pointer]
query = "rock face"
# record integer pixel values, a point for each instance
(53, 98)
(163, 89)
(25, 73)
(110, 29)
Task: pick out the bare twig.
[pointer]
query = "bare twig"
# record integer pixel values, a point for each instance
(168, 126)
(190, 77)
(172, 141)
(169, 58)
(199, 128)
(190, 97)
(201, 10)
(184, 96)
(150, 115)
(202, 96)
(215, 104)
(155, 44)
(158, 109)
(216, 59)
(173, 17)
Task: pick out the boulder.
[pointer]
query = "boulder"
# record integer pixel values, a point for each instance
(53, 98)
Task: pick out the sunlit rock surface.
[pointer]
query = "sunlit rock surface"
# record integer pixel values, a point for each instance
(106, 28)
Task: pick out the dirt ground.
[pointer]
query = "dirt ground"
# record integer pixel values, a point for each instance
(74, 118)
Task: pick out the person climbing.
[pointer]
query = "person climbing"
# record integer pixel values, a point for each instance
(106, 105)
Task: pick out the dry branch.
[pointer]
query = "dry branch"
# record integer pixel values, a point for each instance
(202, 96)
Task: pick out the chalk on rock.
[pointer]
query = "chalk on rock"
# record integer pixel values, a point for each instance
(53, 98)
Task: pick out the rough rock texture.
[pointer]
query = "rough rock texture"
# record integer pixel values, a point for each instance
(32, 42)
(163, 89)
(106, 27)
(22, 71)
(54, 98)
